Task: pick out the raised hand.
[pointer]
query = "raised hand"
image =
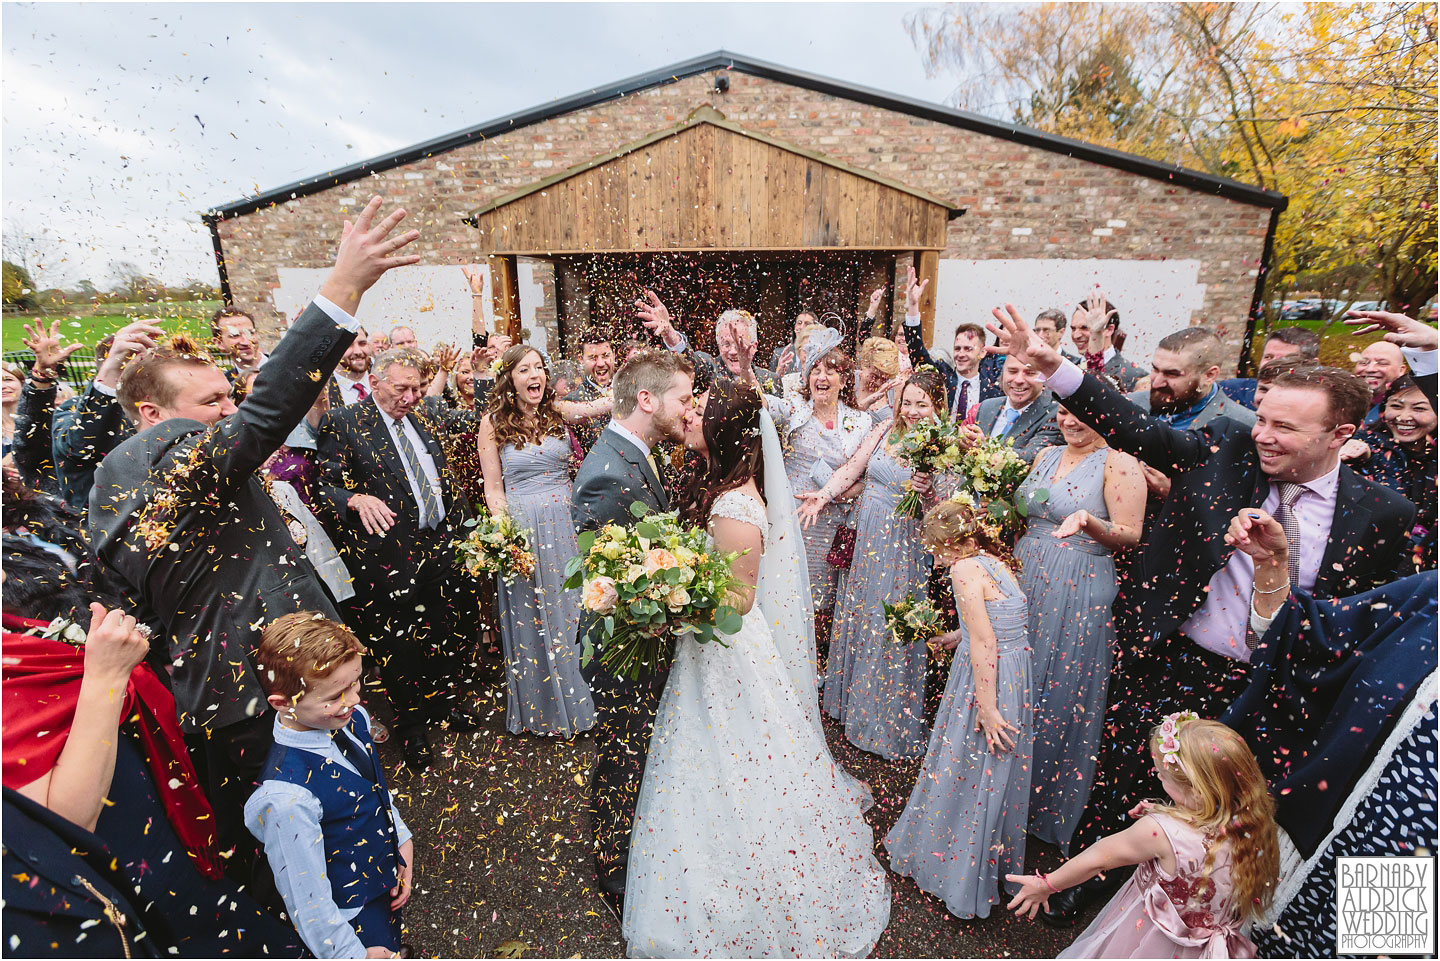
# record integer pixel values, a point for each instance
(1015, 338)
(366, 252)
(49, 355)
(913, 291)
(130, 339)
(1399, 329)
(787, 360)
(1258, 534)
(877, 295)
(447, 356)
(1093, 310)
(474, 277)
(653, 314)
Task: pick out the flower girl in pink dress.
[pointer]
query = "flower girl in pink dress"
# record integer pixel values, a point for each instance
(1207, 864)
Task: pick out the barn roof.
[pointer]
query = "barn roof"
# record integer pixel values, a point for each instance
(721, 59)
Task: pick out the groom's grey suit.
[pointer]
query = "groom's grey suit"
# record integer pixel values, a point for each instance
(615, 475)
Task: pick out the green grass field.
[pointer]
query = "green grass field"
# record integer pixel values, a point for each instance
(189, 317)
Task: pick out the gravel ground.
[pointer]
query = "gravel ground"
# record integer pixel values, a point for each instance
(504, 866)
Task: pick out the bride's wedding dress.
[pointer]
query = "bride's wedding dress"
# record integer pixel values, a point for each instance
(748, 838)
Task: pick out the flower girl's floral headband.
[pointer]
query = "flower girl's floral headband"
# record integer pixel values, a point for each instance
(1170, 737)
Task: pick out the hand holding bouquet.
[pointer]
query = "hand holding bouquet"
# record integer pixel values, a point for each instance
(646, 583)
(912, 619)
(496, 546)
(928, 447)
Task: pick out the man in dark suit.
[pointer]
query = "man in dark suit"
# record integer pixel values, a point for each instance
(1183, 612)
(966, 384)
(349, 385)
(652, 394)
(1025, 416)
(179, 513)
(1093, 329)
(394, 514)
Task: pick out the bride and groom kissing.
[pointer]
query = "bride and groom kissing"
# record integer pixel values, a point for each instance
(723, 827)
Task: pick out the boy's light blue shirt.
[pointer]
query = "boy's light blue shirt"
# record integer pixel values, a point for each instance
(286, 819)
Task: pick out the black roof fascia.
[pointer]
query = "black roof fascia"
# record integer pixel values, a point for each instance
(720, 59)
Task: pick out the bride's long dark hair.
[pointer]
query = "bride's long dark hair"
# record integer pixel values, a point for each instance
(731, 427)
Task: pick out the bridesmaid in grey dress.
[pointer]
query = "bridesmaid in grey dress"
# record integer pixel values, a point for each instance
(525, 453)
(1093, 504)
(963, 828)
(874, 686)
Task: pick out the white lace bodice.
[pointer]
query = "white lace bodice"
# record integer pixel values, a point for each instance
(736, 506)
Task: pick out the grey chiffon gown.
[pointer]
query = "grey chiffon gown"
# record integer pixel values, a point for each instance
(544, 692)
(963, 828)
(1070, 585)
(873, 686)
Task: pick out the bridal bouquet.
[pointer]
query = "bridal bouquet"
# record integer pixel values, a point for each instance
(647, 583)
(912, 619)
(496, 546)
(928, 447)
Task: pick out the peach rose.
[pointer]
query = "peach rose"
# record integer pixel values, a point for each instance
(659, 559)
(601, 595)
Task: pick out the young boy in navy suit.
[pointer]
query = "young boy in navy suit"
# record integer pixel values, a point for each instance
(341, 855)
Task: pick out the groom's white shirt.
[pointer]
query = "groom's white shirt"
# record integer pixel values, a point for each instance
(644, 447)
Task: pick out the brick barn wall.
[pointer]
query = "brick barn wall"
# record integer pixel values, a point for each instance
(1023, 202)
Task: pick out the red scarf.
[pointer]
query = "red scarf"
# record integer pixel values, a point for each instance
(40, 689)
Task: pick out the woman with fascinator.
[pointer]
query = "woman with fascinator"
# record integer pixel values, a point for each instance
(748, 839)
(820, 431)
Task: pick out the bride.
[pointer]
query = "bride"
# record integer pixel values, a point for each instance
(748, 838)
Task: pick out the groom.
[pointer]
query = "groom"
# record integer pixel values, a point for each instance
(652, 392)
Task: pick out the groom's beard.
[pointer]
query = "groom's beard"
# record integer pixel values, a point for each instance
(668, 428)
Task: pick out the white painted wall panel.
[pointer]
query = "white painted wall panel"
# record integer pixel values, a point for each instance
(435, 300)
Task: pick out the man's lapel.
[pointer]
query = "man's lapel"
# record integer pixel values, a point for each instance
(1033, 415)
(373, 421)
(637, 460)
(1347, 532)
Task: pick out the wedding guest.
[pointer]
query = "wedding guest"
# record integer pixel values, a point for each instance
(32, 446)
(597, 363)
(188, 480)
(1050, 327)
(526, 452)
(1182, 612)
(1183, 392)
(343, 857)
(805, 321)
(1083, 502)
(877, 377)
(233, 331)
(83, 433)
(1094, 330)
(1379, 365)
(401, 337)
(1299, 342)
(965, 388)
(735, 344)
(1399, 452)
(963, 828)
(1024, 416)
(390, 498)
(12, 381)
(91, 734)
(379, 343)
(820, 432)
(1208, 861)
(348, 385)
(875, 687)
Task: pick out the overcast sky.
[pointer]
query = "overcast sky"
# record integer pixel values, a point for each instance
(122, 122)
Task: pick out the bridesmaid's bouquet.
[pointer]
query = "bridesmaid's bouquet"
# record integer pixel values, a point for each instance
(647, 583)
(912, 619)
(928, 447)
(496, 546)
(990, 476)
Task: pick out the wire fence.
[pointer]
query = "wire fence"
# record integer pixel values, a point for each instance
(79, 370)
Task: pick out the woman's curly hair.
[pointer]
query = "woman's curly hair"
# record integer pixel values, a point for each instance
(506, 414)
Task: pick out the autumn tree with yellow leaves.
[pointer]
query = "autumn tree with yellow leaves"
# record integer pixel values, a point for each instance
(1331, 104)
